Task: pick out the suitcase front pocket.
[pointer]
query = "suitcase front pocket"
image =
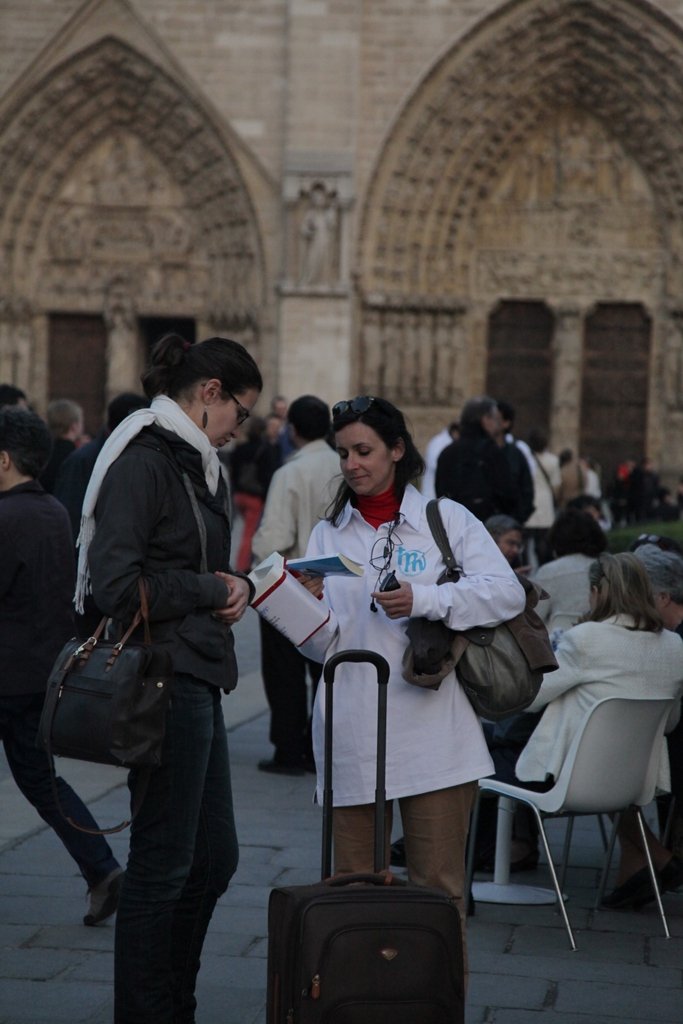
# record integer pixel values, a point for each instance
(374, 973)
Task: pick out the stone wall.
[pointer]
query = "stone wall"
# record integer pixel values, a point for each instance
(350, 186)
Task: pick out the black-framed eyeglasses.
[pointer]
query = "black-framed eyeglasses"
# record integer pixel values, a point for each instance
(358, 405)
(381, 554)
(242, 412)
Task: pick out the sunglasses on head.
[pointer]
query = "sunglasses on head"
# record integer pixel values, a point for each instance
(357, 405)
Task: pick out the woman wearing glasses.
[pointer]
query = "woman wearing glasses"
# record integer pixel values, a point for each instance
(435, 746)
(156, 509)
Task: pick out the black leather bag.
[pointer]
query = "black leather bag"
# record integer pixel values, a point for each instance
(106, 701)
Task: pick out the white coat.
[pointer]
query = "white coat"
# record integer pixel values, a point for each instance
(599, 659)
(434, 738)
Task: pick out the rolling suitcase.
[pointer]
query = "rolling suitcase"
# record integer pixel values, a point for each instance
(359, 949)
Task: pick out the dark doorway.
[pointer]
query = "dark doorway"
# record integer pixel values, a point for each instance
(519, 369)
(77, 364)
(616, 358)
(154, 327)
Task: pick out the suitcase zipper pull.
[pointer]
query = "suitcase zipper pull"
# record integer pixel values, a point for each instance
(315, 986)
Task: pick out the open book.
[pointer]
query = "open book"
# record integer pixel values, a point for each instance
(284, 602)
(325, 565)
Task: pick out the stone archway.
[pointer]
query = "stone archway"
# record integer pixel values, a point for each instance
(465, 208)
(121, 196)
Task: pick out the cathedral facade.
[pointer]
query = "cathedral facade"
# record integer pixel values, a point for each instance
(425, 199)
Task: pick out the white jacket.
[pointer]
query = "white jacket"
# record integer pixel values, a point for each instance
(599, 659)
(434, 738)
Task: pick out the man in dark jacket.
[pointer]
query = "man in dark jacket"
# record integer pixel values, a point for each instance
(37, 573)
(474, 470)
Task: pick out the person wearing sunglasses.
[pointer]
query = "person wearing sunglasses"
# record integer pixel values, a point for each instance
(435, 746)
(156, 508)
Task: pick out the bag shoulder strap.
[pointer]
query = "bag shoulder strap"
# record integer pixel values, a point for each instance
(453, 570)
(543, 470)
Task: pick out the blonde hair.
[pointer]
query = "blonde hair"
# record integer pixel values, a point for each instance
(622, 587)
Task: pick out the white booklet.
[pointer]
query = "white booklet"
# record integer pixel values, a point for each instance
(284, 602)
(325, 565)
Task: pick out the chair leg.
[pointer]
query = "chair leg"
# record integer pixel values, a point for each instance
(653, 873)
(607, 861)
(565, 850)
(603, 833)
(553, 874)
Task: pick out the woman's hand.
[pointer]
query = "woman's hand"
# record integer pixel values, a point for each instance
(397, 604)
(237, 602)
(314, 584)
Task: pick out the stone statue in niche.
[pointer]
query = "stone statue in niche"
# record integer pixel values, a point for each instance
(319, 236)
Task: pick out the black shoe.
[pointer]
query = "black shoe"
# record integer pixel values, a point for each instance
(529, 862)
(104, 898)
(398, 853)
(636, 891)
(281, 768)
(670, 877)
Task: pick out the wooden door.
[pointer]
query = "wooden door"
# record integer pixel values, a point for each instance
(615, 385)
(519, 362)
(77, 364)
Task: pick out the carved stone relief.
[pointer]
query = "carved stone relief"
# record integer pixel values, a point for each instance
(129, 175)
(17, 343)
(414, 352)
(317, 207)
(122, 352)
(571, 215)
(672, 360)
(121, 209)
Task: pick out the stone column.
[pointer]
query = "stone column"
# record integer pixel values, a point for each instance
(122, 342)
(17, 345)
(567, 355)
(672, 362)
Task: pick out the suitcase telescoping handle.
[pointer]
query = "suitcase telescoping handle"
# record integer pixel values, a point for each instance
(382, 668)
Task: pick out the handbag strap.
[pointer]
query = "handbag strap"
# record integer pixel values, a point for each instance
(453, 570)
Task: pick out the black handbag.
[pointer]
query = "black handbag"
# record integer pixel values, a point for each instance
(500, 667)
(106, 702)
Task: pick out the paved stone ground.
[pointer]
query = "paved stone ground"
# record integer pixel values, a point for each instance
(53, 969)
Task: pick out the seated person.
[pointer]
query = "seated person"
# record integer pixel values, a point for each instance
(620, 649)
(575, 539)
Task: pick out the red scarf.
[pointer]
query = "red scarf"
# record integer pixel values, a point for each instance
(378, 508)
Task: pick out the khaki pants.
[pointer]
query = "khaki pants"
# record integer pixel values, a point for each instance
(435, 826)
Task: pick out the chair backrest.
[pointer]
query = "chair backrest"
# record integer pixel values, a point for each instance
(614, 758)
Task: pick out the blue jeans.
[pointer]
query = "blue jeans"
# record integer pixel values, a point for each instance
(183, 853)
(19, 718)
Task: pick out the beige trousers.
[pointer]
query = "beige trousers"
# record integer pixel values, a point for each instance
(435, 826)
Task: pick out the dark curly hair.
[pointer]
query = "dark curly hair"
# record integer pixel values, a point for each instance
(389, 424)
(575, 532)
(27, 440)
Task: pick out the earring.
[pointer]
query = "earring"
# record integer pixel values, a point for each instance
(205, 419)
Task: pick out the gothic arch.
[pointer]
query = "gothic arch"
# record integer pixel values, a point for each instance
(441, 241)
(204, 246)
(620, 64)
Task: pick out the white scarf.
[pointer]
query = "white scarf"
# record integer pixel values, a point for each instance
(167, 414)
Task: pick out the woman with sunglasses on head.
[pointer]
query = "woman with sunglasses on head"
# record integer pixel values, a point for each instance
(435, 746)
(156, 509)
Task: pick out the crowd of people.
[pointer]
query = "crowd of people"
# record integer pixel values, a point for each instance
(153, 496)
